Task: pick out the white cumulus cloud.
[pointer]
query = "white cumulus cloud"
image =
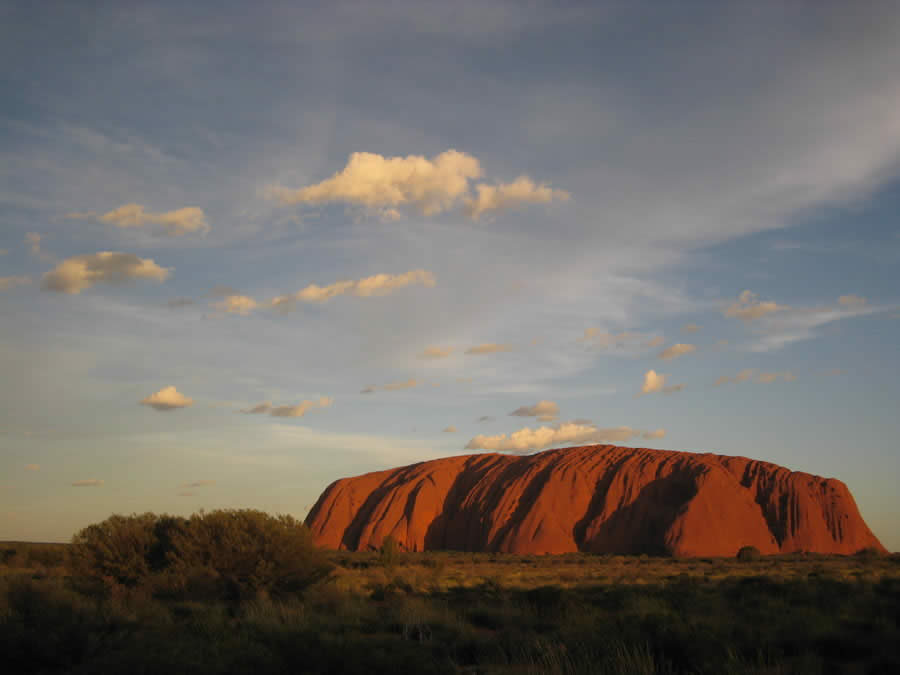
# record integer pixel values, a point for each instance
(167, 399)
(567, 433)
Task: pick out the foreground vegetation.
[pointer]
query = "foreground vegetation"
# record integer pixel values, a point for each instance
(185, 611)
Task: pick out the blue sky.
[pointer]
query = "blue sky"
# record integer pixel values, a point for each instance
(461, 209)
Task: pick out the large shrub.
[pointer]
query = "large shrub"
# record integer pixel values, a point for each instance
(232, 552)
(248, 551)
(116, 549)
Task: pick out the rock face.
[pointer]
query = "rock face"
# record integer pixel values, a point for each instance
(599, 498)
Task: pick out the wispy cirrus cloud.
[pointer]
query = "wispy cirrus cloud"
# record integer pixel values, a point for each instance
(89, 482)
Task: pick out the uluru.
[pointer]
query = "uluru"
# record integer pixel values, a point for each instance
(599, 499)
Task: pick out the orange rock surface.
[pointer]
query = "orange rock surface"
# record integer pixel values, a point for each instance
(599, 498)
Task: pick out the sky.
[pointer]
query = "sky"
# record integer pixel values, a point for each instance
(248, 249)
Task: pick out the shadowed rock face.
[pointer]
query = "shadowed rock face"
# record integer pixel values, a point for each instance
(598, 498)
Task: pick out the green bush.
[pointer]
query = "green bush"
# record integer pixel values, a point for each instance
(749, 554)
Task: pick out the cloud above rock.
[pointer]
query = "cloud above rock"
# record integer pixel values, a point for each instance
(566, 433)
(545, 411)
(167, 399)
(80, 272)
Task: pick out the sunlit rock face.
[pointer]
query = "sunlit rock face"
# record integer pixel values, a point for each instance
(599, 498)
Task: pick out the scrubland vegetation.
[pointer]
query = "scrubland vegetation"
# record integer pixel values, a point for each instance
(240, 591)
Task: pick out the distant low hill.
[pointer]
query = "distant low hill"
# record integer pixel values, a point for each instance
(600, 498)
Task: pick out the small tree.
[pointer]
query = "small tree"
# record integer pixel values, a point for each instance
(749, 554)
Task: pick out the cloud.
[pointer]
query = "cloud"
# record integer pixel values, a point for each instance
(851, 300)
(236, 304)
(566, 433)
(32, 467)
(768, 378)
(690, 328)
(198, 483)
(377, 285)
(33, 239)
(300, 409)
(75, 274)
(7, 283)
(800, 324)
(653, 381)
(175, 303)
(175, 223)
(488, 348)
(397, 386)
(651, 435)
(485, 418)
(90, 482)
(751, 373)
(436, 353)
(385, 185)
(450, 430)
(656, 342)
(368, 389)
(4, 251)
(521, 191)
(167, 399)
(676, 350)
(748, 307)
(259, 409)
(429, 186)
(546, 411)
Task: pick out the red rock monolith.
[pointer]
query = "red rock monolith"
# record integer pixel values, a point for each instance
(599, 498)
